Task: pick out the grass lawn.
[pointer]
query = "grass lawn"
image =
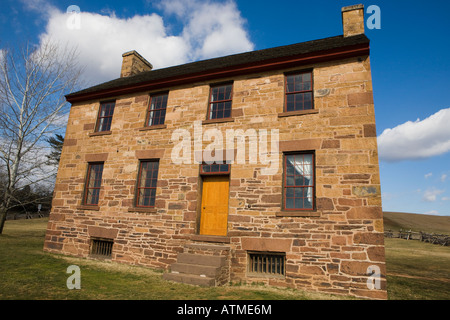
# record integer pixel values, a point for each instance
(415, 270)
(27, 272)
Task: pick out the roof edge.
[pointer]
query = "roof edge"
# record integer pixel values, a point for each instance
(338, 53)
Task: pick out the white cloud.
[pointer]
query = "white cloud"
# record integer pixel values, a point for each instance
(445, 198)
(432, 212)
(430, 195)
(209, 30)
(416, 140)
(428, 175)
(443, 177)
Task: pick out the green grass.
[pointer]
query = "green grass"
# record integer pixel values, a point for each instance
(29, 273)
(415, 270)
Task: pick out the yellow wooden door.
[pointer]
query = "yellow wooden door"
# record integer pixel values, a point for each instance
(214, 213)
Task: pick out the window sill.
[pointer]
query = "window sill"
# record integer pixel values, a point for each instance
(87, 207)
(101, 133)
(265, 276)
(298, 214)
(218, 120)
(297, 113)
(155, 127)
(142, 210)
(205, 238)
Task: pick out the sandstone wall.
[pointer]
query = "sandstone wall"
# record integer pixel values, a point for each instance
(327, 250)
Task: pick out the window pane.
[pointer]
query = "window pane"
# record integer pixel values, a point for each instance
(290, 103)
(215, 168)
(307, 97)
(289, 203)
(290, 181)
(290, 84)
(148, 180)
(93, 183)
(299, 181)
(152, 197)
(298, 83)
(290, 192)
(144, 196)
(221, 93)
(220, 102)
(299, 184)
(92, 196)
(299, 92)
(157, 110)
(101, 124)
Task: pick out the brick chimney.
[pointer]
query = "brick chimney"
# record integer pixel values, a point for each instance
(133, 63)
(353, 20)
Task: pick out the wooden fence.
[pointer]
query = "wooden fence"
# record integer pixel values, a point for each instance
(441, 239)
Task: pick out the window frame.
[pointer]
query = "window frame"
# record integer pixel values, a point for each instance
(253, 271)
(286, 94)
(285, 187)
(86, 184)
(217, 85)
(101, 248)
(138, 182)
(99, 117)
(148, 118)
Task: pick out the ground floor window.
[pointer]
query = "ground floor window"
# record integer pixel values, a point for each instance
(146, 185)
(267, 263)
(101, 248)
(298, 184)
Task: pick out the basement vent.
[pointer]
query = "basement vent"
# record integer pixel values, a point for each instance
(101, 248)
(271, 264)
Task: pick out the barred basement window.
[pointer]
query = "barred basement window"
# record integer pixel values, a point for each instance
(101, 248)
(267, 263)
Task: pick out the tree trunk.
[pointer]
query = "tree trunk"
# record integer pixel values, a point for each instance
(3, 211)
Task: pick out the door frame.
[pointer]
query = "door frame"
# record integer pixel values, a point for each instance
(201, 176)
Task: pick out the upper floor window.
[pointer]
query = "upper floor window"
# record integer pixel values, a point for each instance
(93, 183)
(157, 110)
(105, 115)
(220, 101)
(298, 181)
(299, 93)
(146, 184)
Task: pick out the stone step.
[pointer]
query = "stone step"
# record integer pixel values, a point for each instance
(190, 279)
(197, 259)
(196, 269)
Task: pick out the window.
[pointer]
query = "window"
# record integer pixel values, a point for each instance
(299, 93)
(157, 110)
(220, 101)
(105, 116)
(101, 248)
(267, 263)
(93, 183)
(215, 168)
(299, 181)
(146, 185)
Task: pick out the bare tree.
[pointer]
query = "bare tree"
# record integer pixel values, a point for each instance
(33, 83)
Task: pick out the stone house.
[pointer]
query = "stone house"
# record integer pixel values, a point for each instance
(292, 199)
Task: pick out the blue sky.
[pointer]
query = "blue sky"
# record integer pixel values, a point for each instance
(409, 59)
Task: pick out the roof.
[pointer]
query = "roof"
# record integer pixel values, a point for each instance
(329, 48)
